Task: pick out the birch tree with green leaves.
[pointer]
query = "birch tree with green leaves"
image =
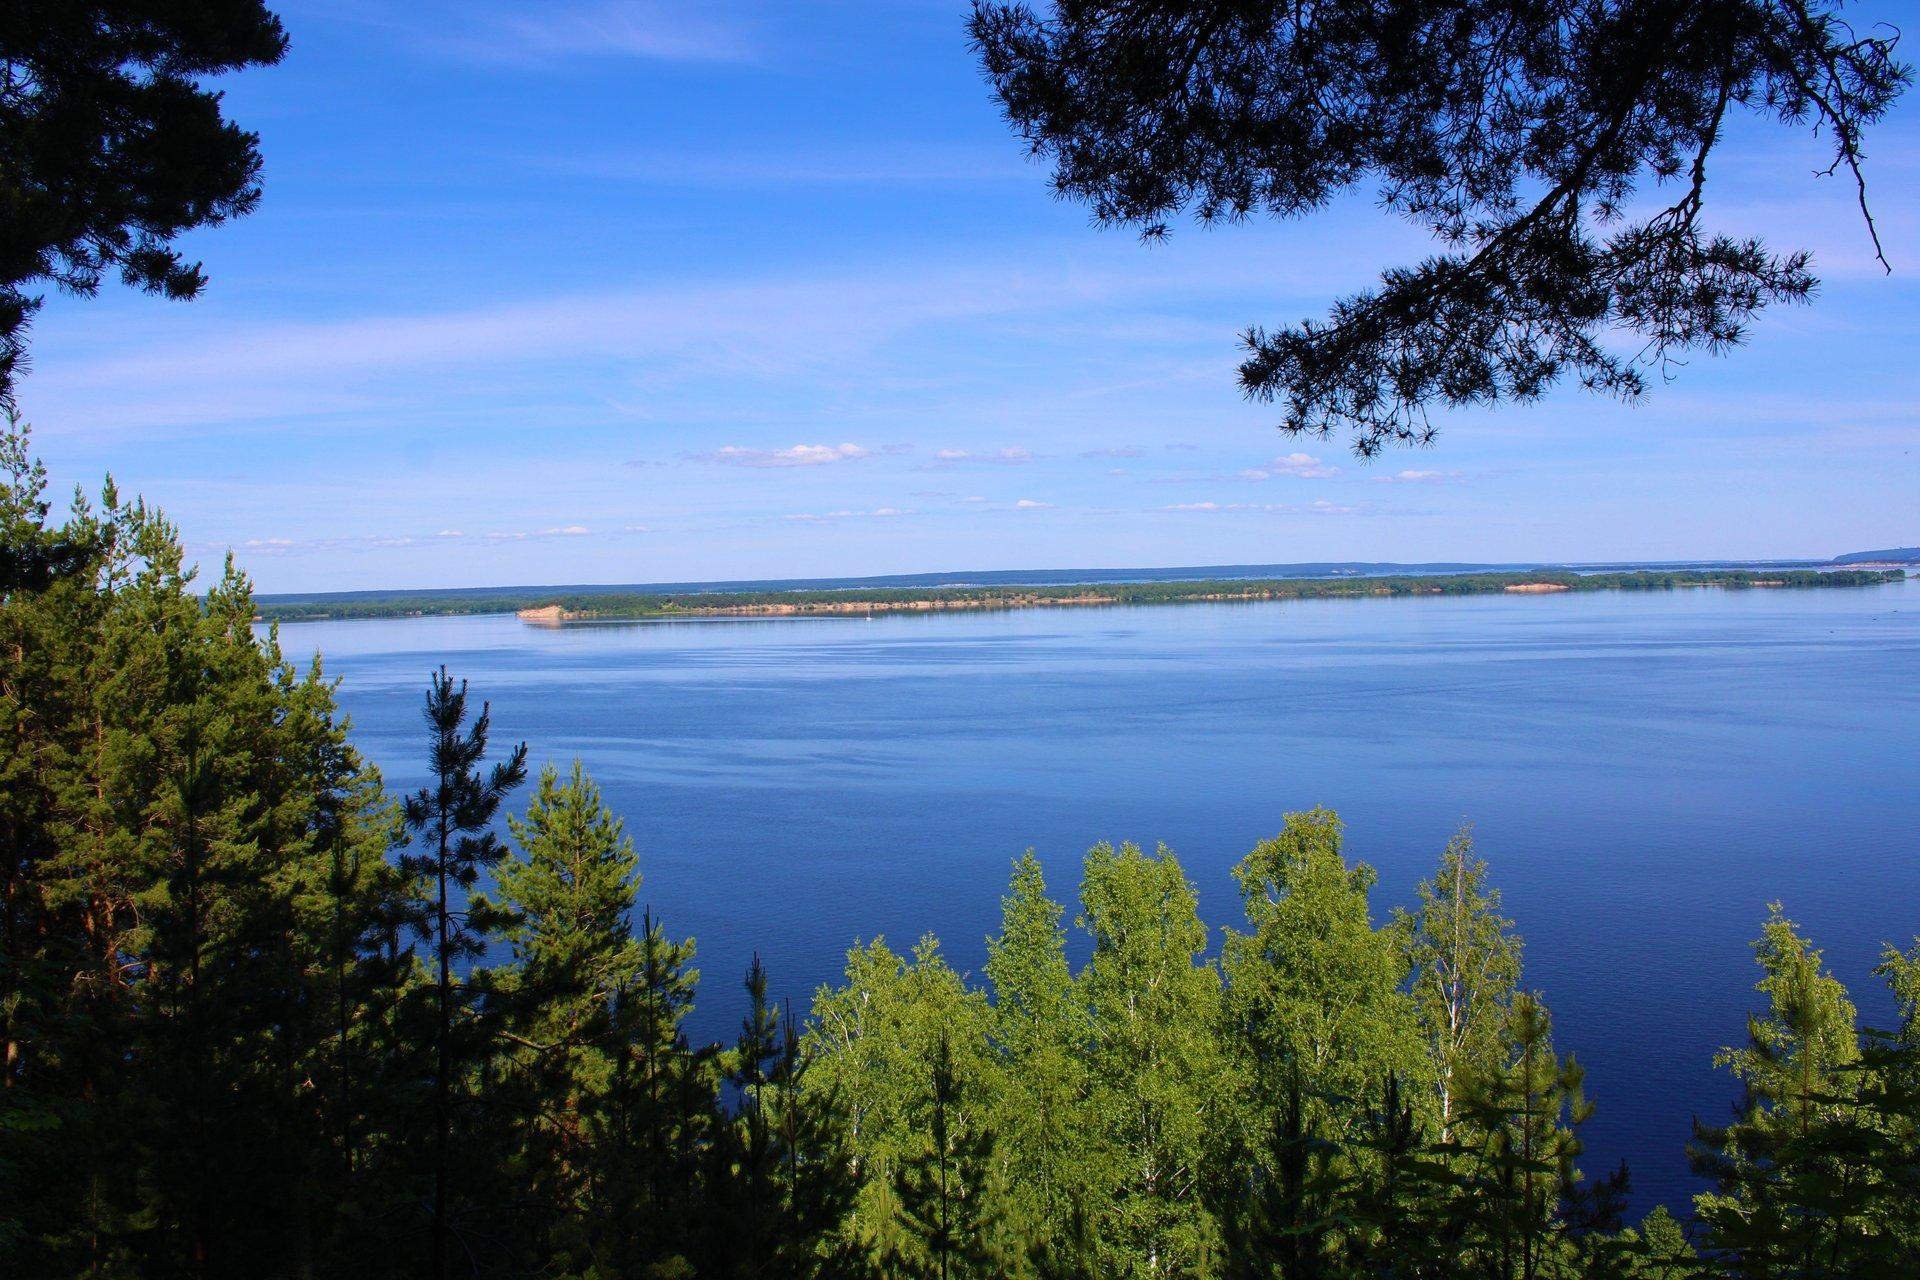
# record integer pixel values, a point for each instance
(1314, 986)
(1155, 1064)
(1465, 964)
(873, 1038)
(1041, 1033)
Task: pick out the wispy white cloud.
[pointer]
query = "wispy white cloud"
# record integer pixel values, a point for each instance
(799, 455)
(1302, 466)
(748, 169)
(555, 32)
(1299, 466)
(1322, 507)
(1010, 456)
(559, 531)
(363, 541)
(1030, 504)
(878, 513)
(648, 344)
(1417, 477)
(751, 329)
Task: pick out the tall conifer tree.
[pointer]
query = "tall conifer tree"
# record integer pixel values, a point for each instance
(660, 1112)
(568, 898)
(1516, 1134)
(952, 1207)
(785, 1181)
(451, 820)
(174, 795)
(1794, 1168)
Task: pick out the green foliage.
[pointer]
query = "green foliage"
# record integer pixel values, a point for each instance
(31, 555)
(1040, 1035)
(1658, 1250)
(1154, 1063)
(658, 1116)
(952, 1209)
(1816, 1174)
(1516, 1142)
(786, 1178)
(1318, 1019)
(452, 819)
(195, 898)
(568, 899)
(1465, 962)
(1316, 992)
(873, 1038)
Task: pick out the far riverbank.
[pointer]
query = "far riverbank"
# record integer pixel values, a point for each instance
(559, 608)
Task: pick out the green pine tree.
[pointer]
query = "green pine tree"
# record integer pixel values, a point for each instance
(1795, 1170)
(1891, 1094)
(659, 1115)
(567, 898)
(178, 801)
(950, 1204)
(1515, 1139)
(451, 819)
(785, 1182)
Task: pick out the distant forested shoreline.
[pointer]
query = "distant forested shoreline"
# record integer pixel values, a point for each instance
(612, 606)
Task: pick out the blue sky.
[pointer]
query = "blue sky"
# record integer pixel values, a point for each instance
(602, 291)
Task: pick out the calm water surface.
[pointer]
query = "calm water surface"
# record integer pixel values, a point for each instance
(1644, 772)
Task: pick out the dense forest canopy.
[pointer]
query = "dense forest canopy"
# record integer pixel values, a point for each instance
(261, 1017)
(1558, 153)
